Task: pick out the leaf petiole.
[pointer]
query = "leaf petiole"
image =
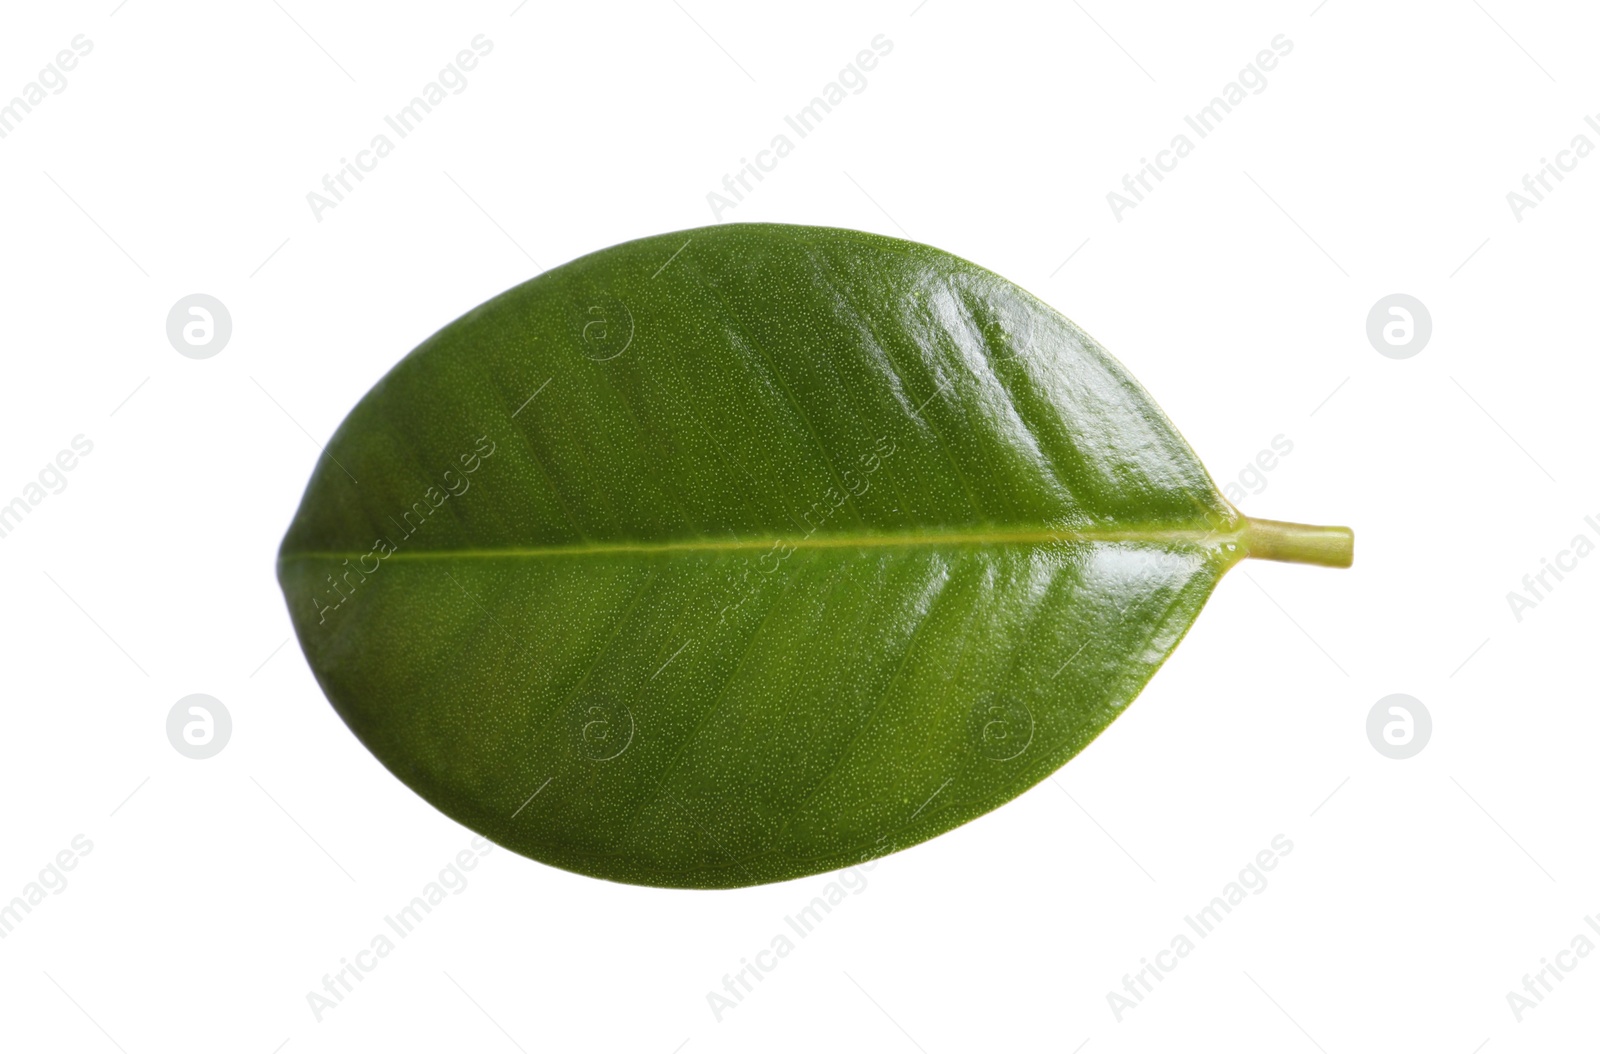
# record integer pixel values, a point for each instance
(1298, 543)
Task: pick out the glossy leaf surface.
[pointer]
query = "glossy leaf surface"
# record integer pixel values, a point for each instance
(749, 552)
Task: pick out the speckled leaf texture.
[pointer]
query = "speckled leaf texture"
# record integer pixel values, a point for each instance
(745, 553)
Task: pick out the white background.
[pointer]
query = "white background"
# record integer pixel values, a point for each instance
(1376, 160)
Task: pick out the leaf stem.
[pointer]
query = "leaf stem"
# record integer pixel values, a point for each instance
(1298, 543)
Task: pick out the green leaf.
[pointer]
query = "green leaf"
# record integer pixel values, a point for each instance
(750, 552)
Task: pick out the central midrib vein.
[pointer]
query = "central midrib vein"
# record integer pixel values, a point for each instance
(886, 540)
